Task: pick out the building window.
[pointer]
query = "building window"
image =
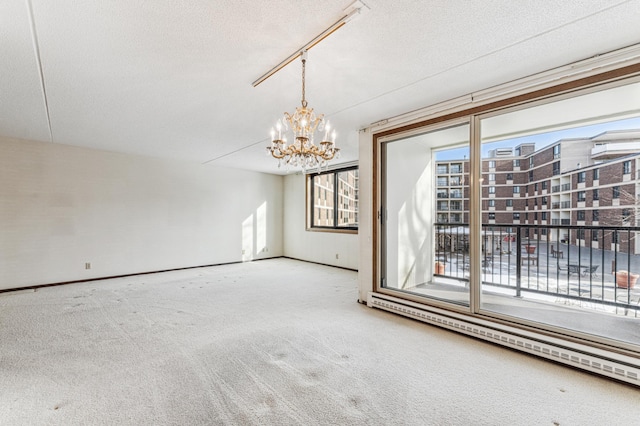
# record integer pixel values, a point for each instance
(543, 215)
(530, 161)
(492, 202)
(456, 168)
(516, 216)
(516, 189)
(442, 169)
(594, 235)
(595, 215)
(582, 195)
(626, 167)
(596, 194)
(556, 152)
(556, 168)
(626, 215)
(509, 176)
(530, 175)
(516, 163)
(333, 199)
(443, 181)
(580, 233)
(442, 193)
(535, 215)
(492, 190)
(492, 164)
(615, 192)
(544, 184)
(509, 203)
(492, 177)
(582, 177)
(596, 174)
(614, 237)
(581, 215)
(544, 200)
(492, 216)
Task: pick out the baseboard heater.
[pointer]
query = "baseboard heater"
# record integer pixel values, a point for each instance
(616, 366)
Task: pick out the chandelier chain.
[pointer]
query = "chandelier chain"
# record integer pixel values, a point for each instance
(304, 101)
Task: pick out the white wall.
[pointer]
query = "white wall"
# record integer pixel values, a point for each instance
(320, 247)
(63, 206)
(409, 205)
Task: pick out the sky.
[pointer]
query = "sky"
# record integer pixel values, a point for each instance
(543, 139)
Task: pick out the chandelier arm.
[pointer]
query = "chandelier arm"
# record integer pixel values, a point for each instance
(304, 66)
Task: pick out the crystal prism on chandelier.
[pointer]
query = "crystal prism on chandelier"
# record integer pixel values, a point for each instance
(304, 124)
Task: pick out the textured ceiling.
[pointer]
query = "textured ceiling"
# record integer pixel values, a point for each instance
(173, 79)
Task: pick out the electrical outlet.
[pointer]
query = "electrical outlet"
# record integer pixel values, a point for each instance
(87, 265)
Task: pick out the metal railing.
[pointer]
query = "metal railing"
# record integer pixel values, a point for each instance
(595, 264)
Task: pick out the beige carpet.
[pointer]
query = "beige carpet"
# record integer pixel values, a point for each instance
(271, 342)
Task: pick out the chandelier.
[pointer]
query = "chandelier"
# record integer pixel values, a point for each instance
(304, 123)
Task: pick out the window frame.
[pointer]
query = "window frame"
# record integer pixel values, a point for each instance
(310, 202)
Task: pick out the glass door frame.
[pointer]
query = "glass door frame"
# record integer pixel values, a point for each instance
(473, 115)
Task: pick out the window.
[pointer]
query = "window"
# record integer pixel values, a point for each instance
(456, 168)
(492, 164)
(594, 235)
(626, 167)
(509, 203)
(544, 200)
(615, 192)
(556, 152)
(535, 201)
(456, 205)
(516, 216)
(556, 168)
(530, 175)
(492, 202)
(543, 215)
(582, 177)
(516, 163)
(580, 233)
(509, 176)
(492, 216)
(626, 215)
(582, 195)
(535, 186)
(596, 174)
(443, 205)
(544, 184)
(596, 194)
(442, 193)
(530, 161)
(334, 199)
(581, 215)
(443, 181)
(492, 177)
(455, 180)
(535, 215)
(595, 215)
(516, 189)
(492, 190)
(442, 169)
(614, 237)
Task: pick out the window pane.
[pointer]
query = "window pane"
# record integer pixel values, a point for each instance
(546, 272)
(323, 200)
(425, 231)
(348, 198)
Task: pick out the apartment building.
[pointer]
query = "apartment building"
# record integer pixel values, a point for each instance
(590, 182)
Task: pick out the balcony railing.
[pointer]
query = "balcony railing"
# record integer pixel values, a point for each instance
(545, 260)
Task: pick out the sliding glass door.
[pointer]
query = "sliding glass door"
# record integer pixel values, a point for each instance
(554, 240)
(419, 169)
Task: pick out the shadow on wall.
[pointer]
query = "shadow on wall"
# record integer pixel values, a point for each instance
(254, 234)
